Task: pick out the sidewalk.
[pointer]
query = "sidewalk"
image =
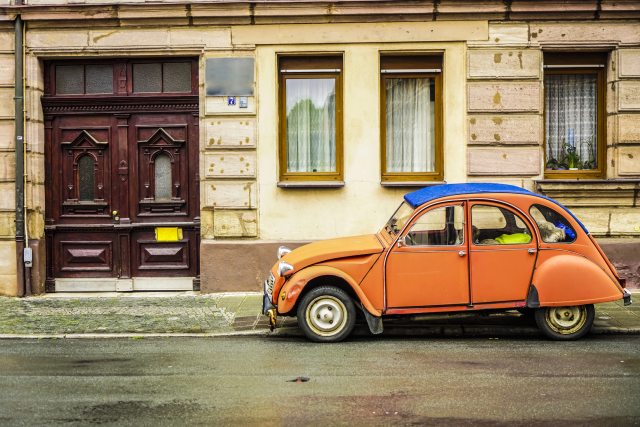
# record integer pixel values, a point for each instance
(192, 314)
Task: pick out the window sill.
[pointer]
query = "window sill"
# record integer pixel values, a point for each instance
(310, 184)
(591, 192)
(411, 183)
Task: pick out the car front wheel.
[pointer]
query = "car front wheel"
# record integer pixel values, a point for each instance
(565, 323)
(326, 314)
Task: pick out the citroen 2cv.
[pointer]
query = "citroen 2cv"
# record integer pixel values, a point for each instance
(450, 248)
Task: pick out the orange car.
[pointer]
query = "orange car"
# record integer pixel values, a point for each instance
(450, 248)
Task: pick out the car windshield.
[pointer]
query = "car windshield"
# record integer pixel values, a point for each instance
(399, 219)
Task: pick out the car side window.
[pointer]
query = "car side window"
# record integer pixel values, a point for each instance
(493, 225)
(554, 228)
(442, 226)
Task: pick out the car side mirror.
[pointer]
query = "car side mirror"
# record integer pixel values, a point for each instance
(401, 242)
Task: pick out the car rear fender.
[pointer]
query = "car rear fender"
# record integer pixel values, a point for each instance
(300, 282)
(566, 278)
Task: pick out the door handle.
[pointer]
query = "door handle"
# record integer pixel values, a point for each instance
(115, 215)
(531, 251)
(462, 253)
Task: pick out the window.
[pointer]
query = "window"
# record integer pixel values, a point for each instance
(162, 175)
(411, 119)
(438, 227)
(82, 79)
(493, 225)
(162, 77)
(86, 178)
(553, 226)
(574, 103)
(122, 77)
(310, 118)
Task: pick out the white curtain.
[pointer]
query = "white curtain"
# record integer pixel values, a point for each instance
(311, 125)
(571, 120)
(410, 145)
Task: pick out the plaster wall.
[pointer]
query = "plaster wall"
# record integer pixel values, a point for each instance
(362, 205)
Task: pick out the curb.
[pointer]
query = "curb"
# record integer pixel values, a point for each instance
(452, 331)
(133, 335)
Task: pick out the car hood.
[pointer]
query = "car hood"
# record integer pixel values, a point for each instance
(325, 250)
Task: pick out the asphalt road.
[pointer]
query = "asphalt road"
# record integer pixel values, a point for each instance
(373, 381)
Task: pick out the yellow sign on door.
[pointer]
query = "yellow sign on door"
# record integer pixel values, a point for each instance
(168, 234)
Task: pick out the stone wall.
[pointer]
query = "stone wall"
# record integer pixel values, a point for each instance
(229, 202)
(506, 117)
(8, 284)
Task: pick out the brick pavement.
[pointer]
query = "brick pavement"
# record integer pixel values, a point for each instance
(239, 313)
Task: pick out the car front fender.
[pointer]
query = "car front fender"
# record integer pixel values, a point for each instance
(563, 278)
(294, 287)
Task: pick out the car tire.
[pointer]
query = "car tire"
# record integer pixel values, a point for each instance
(326, 314)
(565, 323)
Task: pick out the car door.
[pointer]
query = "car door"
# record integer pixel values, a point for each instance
(429, 266)
(502, 253)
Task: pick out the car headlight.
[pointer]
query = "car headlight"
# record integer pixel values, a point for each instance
(284, 268)
(282, 251)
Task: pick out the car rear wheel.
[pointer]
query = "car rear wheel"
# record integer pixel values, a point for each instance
(326, 314)
(565, 323)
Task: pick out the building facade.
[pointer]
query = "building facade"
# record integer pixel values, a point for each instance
(176, 145)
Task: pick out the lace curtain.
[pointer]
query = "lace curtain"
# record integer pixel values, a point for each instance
(571, 121)
(311, 125)
(410, 145)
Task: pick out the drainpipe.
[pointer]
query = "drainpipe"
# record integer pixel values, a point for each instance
(20, 157)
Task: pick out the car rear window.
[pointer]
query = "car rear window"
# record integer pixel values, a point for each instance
(554, 228)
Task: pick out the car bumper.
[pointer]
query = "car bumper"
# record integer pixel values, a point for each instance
(267, 292)
(626, 297)
(268, 309)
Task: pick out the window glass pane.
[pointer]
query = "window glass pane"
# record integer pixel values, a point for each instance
(147, 77)
(311, 125)
(571, 121)
(163, 177)
(553, 226)
(410, 132)
(69, 79)
(99, 78)
(438, 227)
(229, 76)
(87, 178)
(176, 77)
(492, 225)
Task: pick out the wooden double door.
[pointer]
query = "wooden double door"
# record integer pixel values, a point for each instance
(122, 201)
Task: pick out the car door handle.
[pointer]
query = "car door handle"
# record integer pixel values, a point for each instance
(531, 251)
(462, 253)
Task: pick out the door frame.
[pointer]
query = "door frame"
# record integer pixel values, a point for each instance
(120, 104)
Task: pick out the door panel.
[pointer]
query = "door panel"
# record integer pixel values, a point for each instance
(82, 168)
(426, 278)
(164, 258)
(500, 272)
(164, 144)
(431, 268)
(81, 254)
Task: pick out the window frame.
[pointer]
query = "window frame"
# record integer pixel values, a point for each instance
(304, 67)
(578, 63)
(122, 77)
(411, 62)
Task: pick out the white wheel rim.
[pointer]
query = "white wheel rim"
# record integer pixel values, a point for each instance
(566, 320)
(326, 315)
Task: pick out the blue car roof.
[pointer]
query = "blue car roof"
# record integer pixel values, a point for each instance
(427, 194)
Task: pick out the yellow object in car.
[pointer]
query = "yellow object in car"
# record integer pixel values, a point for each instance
(513, 239)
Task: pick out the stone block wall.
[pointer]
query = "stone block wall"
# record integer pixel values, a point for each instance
(228, 155)
(8, 284)
(506, 116)
(504, 107)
